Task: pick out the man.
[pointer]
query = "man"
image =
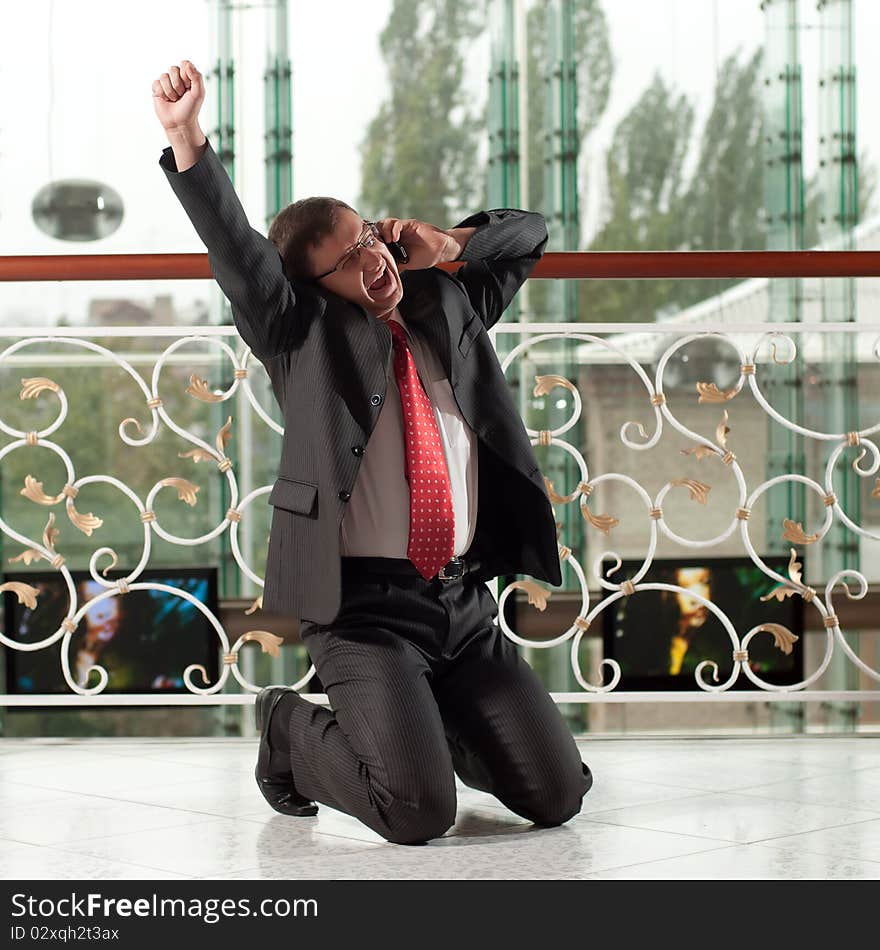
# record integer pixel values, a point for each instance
(406, 480)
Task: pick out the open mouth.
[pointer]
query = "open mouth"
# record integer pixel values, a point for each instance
(383, 285)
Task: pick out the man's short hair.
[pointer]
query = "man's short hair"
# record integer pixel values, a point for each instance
(302, 225)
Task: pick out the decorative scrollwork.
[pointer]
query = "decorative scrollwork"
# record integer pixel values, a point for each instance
(737, 506)
(783, 351)
(96, 677)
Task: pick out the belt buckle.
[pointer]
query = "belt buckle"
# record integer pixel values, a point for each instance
(455, 562)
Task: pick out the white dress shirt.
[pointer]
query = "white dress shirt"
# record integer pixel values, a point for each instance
(376, 520)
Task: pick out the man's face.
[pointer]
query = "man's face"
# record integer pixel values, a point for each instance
(368, 277)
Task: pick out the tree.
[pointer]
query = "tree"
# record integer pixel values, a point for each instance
(420, 151)
(724, 204)
(867, 191)
(595, 71)
(644, 202)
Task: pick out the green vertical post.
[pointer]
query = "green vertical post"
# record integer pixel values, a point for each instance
(784, 209)
(503, 171)
(223, 73)
(278, 135)
(561, 146)
(222, 135)
(838, 216)
(278, 161)
(561, 141)
(504, 168)
(560, 154)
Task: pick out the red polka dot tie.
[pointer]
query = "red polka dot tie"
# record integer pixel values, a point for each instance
(431, 518)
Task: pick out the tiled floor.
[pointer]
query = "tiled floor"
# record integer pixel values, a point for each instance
(765, 808)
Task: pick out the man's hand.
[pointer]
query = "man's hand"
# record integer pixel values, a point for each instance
(425, 244)
(178, 96)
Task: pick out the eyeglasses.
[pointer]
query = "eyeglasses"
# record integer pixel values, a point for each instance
(367, 238)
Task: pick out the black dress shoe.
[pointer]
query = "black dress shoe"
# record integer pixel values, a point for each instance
(278, 792)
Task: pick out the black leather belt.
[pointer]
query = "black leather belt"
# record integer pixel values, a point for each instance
(453, 570)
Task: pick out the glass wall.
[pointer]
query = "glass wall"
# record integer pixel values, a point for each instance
(671, 125)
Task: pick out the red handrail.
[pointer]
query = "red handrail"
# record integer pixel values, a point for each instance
(567, 264)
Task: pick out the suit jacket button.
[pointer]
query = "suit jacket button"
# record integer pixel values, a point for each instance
(375, 399)
(358, 450)
(345, 495)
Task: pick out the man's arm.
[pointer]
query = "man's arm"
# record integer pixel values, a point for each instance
(188, 146)
(267, 307)
(503, 248)
(270, 312)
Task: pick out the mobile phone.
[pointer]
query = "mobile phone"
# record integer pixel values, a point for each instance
(398, 252)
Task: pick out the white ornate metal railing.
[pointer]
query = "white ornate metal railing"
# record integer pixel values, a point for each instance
(765, 337)
(758, 348)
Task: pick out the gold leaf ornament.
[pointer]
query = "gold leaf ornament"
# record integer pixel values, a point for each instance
(699, 451)
(545, 384)
(554, 495)
(603, 523)
(794, 532)
(795, 568)
(704, 451)
(34, 385)
(28, 555)
(198, 388)
(86, 523)
(26, 594)
(875, 492)
(33, 490)
(269, 643)
(779, 593)
(699, 491)
(197, 455)
(783, 638)
(709, 392)
(50, 533)
(537, 595)
(224, 435)
(186, 490)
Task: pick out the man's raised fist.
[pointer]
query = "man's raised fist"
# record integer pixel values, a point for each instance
(178, 95)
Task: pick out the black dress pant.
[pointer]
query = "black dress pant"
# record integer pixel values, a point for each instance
(422, 682)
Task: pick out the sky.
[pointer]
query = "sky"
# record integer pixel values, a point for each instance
(77, 103)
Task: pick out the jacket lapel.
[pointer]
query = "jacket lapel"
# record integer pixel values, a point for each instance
(420, 307)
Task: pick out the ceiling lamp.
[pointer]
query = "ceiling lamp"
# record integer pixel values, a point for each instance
(77, 209)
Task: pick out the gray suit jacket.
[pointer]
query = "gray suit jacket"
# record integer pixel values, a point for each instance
(329, 363)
